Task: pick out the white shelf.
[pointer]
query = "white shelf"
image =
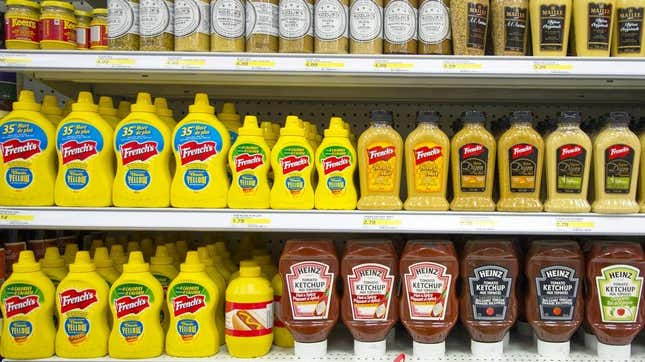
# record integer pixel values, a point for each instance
(322, 221)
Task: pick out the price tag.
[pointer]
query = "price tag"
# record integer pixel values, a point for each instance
(11, 217)
(254, 63)
(115, 62)
(462, 66)
(381, 221)
(14, 60)
(323, 64)
(574, 224)
(254, 220)
(478, 222)
(185, 62)
(385, 65)
(552, 67)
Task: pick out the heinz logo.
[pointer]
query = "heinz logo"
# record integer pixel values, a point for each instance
(472, 150)
(20, 305)
(72, 299)
(196, 151)
(378, 154)
(619, 151)
(335, 164)
(135, 151)
(522, 150)
(426, 154)
(185, 304)
(293, 163)
(18, 150)
(127, 305)
(74, 151)
(248, 162)
(569, 151)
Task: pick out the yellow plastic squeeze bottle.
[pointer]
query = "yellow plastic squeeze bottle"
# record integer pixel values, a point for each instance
(53, 265)
(248, 263)
(142, 146)
(82, 304)
(147, 247)
(266, 265)
(193, 299)
(336, 163)
(220, 283)
(28, 155)
(163, 269)
(96, 243)
(133, 246)
(135, 300)
(108, 112)
(281, 335)
(118, 257)
(220, 246)
(218, 263)
(105, 266)
(231, 119)
(85, 158)
(165, 113)
(124, 109)
(249, 161)
(182, 249)
(268, 132)
(70, 253)
(51, 110)
(172, 251)
(201, 144)
(28, 329)
(249, 314)
(293, 166)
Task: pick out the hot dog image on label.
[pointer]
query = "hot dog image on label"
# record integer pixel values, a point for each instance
(370, 287)
(309, 287)
(249, 319)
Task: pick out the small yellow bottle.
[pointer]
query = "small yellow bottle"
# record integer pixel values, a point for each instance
(163, 269)
(147, 247)
(85, 158)
(105, 266)
(51, 110)
(28, 155)
(142, 146)
(108, 112)
(220, 283)
(182, 249)
(249, 314)
(118, 257)
(201, 144)
(96, 243)
(218, 263)
(133, 246)
(266, 265)
(28, 329)
(293, 166)
(193, 299)
(135, 301)
(165, 113)
(172, 251)
(124, 109)
(281, 335)
(221, 249)
(70, 253)
(247, 263)
(53, 265)
(82, 304)
(249, 159)
(336, 163)
(231, 119)
(268, 132)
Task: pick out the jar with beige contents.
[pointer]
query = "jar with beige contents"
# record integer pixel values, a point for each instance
(434, 27)
(156, 21)
(83, 20)
(510, 20)
(123, 24)
(366, 27)
(469, 20)
(296, 26)
(262, 26)
(628, 34)
(400, 27)
(98, 29)
(227, 25)
(331, 26)
(192, 25)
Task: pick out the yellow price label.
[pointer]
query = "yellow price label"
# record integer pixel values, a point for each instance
(392, 66)
(553, 67)
(115, 61)
(323, 64)
(255, 63)
(462, 66)
(381, 221)
(573, 224)
(15, 60)
(478, 222)
(16, 218)
(186, 62)
(243, 220)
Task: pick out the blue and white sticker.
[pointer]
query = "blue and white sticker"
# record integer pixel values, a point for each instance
(76, 178)
(197, 143)
(336, 184)
(137, 179)
(187, 328)
(196, 179)
(131, 330)
(247, 182)
(295, 183)
(20, 330)
(78, 141)
(76, 327)
(19, 178)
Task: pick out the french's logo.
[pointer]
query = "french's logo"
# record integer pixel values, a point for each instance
(248, 162)
(335, 164)
(185, 304)
(127, 305)
(135, 151)
(378, 154)
(72, 299)
(75, 151)
(197, 151)
(472, 150)
(426, 154)
(619, 151)
(294, 163)
(20, 305)
(15, 149)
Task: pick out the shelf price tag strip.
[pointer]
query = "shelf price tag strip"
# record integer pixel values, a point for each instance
(381, 222)
(250, 220)
(576, 224)
(109, 61)
(13, 217)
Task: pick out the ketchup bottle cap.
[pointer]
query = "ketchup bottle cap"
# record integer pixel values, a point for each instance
(486, 349)
(556, 350)
(611, 352)
(310, 350)
(428, 350)
(369, 349)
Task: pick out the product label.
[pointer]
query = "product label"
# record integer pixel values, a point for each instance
(83, 37)
(294, 160)
(556, 291)
(262, 18)
(77, 143)
(570, 163)
(434, 22)
(599, 25)
(19, 28)
(522, 167)
(427, 286)
(370, 287)
(98, 36)
(228, 18)
(630, 30)
(76, 325)
(296, 19)
(400, 22)
(473, 167)
(72, 299)
(365, 21)
(191, 16)
(137, 144)
(58, 30)
(196, 144)
(247, 157)
(335, 160)
(20, 141)
(277, 313)
(489, 289)
(249, 319)
(552, 26)
(381, 167)
(123, 18)
(619, 293)
(20, 299)
(187, 300)
(309, 287)
(331, 19)
(157, 17)
(619, 163)
(428, 168)
(163, 280)
(128, 301)
(477, 25)
(515, 20)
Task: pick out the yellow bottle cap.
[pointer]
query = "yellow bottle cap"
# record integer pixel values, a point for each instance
(70, 252)
(193, 263)
(136, 264)
(101, 258)
(106, 106)
(52, 258)
(263, 259)
(23, 3)
(172, 249)
(293, 126)
(248, 263)
(205, 258)
(161, 257)
(268, 131)
(125, 108)
(250, 127)
(96, 243)
(147, 246)
(182, 246)
(220, 246)
(229, 113)
(212, 251)
(276, 129)
(83, 13)
(84, 103)
(201, 104)
(117, 253)
(50, 106)
(250, 271)
(26, 263)
(161, 106)
(144, 103)
(336, 128)
(82, 263)
(26, 102)
(133, 246)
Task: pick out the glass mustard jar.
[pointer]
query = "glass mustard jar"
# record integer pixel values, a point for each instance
(57, 25)
(83, 21)
(21, 24)
(98, 29)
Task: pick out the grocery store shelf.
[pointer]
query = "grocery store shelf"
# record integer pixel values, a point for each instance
(289, 75)
(322, 221)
